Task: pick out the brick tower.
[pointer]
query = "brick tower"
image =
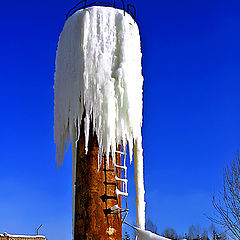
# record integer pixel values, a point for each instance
(95, 194)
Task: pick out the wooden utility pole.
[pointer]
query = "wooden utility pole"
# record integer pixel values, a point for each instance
(95, 194)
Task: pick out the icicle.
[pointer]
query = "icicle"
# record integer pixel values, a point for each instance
(139, 181)
(74, 166)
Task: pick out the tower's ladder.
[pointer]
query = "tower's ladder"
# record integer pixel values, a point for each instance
(121, 180)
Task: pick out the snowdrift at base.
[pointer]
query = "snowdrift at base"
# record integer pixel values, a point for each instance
(147, 235)
(98, 73)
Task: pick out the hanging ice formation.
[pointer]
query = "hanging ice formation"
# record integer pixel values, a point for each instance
(98, 70)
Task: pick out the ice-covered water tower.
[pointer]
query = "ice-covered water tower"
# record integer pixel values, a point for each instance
(98, 107)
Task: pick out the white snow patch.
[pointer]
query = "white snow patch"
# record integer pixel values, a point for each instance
(98, 70)
(147, 235)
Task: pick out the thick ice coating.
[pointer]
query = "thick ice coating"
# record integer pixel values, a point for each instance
(98, 71)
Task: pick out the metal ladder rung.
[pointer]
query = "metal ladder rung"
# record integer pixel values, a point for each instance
(121, 193)
(119, 166)
(122, 180)
(115, 207)
(122, 153)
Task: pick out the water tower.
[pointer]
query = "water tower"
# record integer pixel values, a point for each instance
(98, 107)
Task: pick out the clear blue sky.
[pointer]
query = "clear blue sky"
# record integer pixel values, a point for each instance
(191, 128)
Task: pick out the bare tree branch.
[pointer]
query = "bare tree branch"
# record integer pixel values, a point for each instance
(227, 202)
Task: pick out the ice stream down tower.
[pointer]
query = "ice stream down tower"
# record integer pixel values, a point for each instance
(98, 107)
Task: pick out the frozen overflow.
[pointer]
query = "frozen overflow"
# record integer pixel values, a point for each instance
(99, 76)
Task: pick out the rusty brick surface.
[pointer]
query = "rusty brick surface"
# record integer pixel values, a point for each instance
(91, 222)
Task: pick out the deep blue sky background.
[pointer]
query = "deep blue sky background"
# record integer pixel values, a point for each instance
(191, 128)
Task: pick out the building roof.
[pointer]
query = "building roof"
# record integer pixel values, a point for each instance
(7, 236)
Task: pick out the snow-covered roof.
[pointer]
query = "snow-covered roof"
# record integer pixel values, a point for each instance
(21, 237)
